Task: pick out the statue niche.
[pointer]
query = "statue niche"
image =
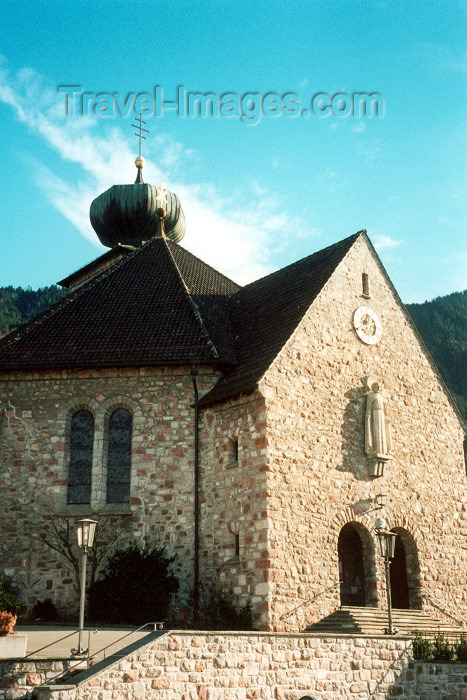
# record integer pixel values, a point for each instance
(377, 429)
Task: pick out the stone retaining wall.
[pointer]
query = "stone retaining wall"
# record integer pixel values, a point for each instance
(245, 666)
(18, 679)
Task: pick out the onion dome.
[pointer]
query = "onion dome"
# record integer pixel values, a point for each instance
(131, 214)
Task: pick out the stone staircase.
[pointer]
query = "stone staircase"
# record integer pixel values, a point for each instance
(368, 621)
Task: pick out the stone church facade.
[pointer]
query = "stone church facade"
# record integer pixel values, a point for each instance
(246, 431)
(303, 436)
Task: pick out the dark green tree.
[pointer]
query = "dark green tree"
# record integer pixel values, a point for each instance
(18, 305)
(136, 587)
(8, 600)
(442, 324)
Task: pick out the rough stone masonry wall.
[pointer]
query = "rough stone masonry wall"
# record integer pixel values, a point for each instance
(233, 501)
(18, 679)
(319, 480)
(34, 465)
(186, 666)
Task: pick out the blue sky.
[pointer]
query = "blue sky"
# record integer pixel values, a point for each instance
(256, 196)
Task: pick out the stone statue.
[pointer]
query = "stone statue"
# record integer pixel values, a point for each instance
(377, 429)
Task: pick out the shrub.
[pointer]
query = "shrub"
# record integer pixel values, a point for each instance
(218, 612)
(45, 611)
(441, 649)
(8, 602)
(135, 587)
(422, 648)
(461, 650)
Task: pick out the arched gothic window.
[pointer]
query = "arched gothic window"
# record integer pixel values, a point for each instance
(119, 456)
(81, 442)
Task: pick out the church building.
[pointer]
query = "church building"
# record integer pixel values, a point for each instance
(258, 432)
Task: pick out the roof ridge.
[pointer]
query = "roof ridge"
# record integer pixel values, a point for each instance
(328, 248)
(205, 264)
(192, 302)
(265, 314)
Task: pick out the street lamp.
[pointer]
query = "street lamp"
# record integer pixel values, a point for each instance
(85, 532)
(387, 544)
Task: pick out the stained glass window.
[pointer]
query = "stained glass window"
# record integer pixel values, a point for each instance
(81, 440)
(119, 457)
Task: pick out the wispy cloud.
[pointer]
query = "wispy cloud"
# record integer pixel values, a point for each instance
(235, 238)
(369, 151)
(444, 220)
(444, 57)
(332, 181)
(70, 200)
(384, 243)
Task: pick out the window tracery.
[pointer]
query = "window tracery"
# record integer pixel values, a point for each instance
(80, 467)
(119, 456)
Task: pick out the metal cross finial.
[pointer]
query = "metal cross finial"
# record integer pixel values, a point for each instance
(139, 126)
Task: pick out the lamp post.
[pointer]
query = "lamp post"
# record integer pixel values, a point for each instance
(85, 532)
(387, 544)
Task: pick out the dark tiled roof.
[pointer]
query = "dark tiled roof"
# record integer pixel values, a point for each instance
(265, 313)
(158, 305)
(93, 268)
(162, 305)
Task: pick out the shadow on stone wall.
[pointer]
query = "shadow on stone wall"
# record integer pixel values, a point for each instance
(353, 436)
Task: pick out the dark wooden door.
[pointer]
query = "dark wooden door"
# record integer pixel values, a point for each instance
(351, 567)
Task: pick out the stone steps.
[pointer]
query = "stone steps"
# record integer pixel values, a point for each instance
(367, 621)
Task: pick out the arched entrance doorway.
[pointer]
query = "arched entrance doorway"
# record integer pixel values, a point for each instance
(399, 582)
(351, 566)
(405, 588)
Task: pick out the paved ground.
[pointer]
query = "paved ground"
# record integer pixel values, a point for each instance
(64, 639)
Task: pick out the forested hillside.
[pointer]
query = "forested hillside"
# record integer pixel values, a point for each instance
(442, 323)
(18, 305)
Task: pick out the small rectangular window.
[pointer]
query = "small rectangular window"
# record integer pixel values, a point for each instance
(365, 285)
(233, 452)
